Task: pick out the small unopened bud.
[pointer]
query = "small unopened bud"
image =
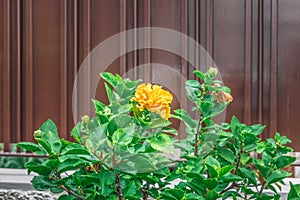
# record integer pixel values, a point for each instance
(37, 133)
(107, 111)
(213, 71)
(85, 119)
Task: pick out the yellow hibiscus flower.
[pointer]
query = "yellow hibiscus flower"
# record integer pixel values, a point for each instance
(154, 99)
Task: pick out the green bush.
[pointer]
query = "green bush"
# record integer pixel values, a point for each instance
(121, 154)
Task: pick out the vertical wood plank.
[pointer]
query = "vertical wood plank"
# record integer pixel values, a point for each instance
(6, 74)
(74, 66)
(273, 65)
(135, 52)
(15, 72)
(184, 50)
(209, 27)
(1, 73)
(197, 32)
(147, 36)
(27, 57)
(86, 45)
(260, 62)
(63, 68)
(248, 49)
(184, 29)
(123, 26)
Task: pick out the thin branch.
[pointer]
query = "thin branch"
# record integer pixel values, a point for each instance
(71, 192)
(118, 186)
(261, 189)
(196, 137)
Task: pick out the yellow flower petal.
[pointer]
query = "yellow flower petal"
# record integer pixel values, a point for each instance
(154, 99)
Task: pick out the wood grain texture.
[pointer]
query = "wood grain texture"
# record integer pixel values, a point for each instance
(27, 57)
(255, 44)
(6, 76)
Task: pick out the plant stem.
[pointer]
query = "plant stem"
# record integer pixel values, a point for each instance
(235, 170)
(261, 189)
(118, 186)
(71, 192)
(197, 137)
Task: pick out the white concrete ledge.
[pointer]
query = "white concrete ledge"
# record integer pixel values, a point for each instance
(15, 179)
(18, 179)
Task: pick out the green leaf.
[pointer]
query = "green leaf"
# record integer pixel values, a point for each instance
(130, 190)
(193, 83)
(40, 169)
(75, 149)
(264, 170)
(162, 142)
(56, 190)
(231, 178)
(277, 176)
(210, 183)
(192, 93)
(66, 197)
(70, 164)
(52, 163)
(172, 194)
(294, 192)
(48, 126)
(42, 183)
(199, 74)
(257, 129)
(109, 77)
(45, 144)
(211, 195)
(170, 130)
(284, 161)
(110, 94)
(121, 138)
(185, 116)
(249, 175)
(233, 124)
(227, 154)
(29, 146)
(225, 170)
(213, 173)
(212, 162)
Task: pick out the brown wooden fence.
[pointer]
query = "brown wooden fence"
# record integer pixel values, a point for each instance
(255, 44)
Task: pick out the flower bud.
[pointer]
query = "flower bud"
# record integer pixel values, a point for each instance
(213, 71)
(107, 111)
(37, 133)
(85, 119)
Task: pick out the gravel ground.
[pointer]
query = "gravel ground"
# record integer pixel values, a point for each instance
(25, 195)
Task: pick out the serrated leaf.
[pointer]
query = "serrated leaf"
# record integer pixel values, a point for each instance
(42, 183)
(121, 138)
(249, 175)
(199, 74)
(75, 149)
(48, 126)
(294, 192)
(45, 144)
(70, 164)
(227, 154)
(162, 142)
(231, 178)
(29, 146)
(40, 169)
(277, 176)
(225, 170)
(109, 77)
(284, 161)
